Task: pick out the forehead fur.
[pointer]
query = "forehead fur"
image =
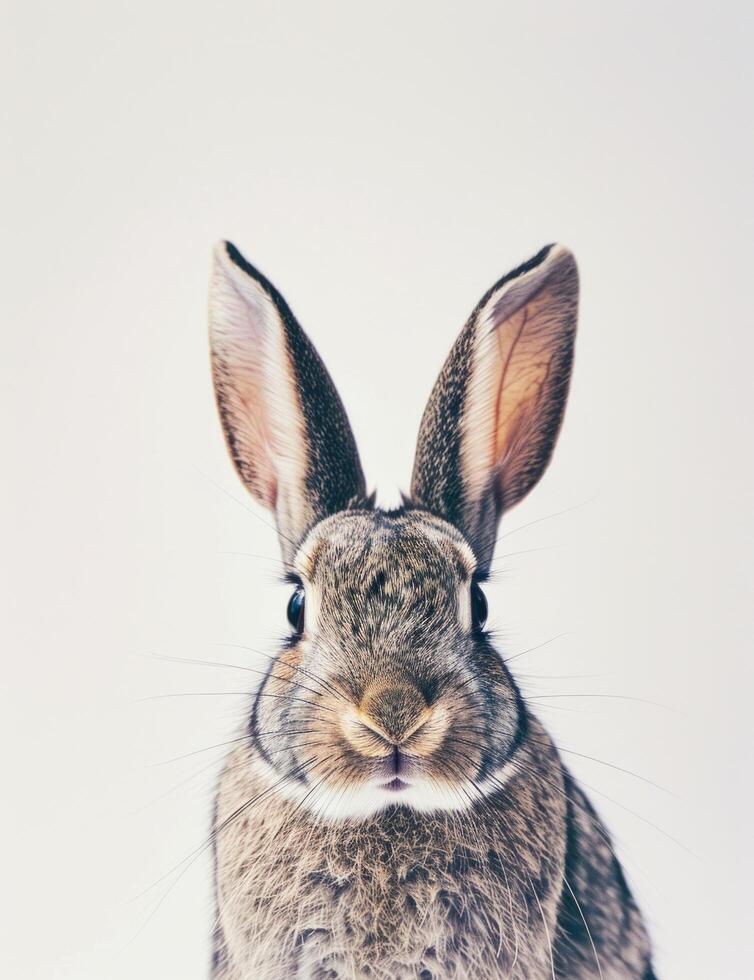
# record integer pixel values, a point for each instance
(402, 542)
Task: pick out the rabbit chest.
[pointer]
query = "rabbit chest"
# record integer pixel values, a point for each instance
(400, 895)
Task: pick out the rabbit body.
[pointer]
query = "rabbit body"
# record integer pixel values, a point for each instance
(500, 890)
(476, 895)
(394, 811)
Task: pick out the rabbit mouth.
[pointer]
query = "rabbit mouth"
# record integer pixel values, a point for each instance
(395, 785)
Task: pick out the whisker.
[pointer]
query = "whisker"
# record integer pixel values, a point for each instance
(586, 926)
(547, 517)
(544, 923)
(249, 554)
(306, 796)
(557, 677)
(508, 660)
(174, 788)
(233, 741)
(526, 551)
(251, 670)
(610, 799)
(259, 694)
(481, 800)
(615, 697)
(319, 680)
(510, 733)
(249, 510)
(522, 769)
(217, 830)
(559, 707)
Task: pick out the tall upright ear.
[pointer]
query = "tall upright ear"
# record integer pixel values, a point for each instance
(493, 417)
(285, 426)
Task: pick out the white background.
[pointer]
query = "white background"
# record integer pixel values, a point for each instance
(384, 164)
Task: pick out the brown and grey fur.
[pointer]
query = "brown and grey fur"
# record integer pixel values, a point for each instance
(493, 863)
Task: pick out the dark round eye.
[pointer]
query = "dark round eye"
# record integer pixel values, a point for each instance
(478, 606)
(295, 611)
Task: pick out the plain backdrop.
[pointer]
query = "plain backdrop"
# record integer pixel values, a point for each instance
(383, 164)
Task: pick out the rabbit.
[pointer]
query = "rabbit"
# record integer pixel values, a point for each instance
(393, 809)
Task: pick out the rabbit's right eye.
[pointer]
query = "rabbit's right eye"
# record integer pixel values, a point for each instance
(295, 611)
(478, 606)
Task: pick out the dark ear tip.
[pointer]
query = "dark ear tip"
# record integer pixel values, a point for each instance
(234, 255)
(555, 252)
(540, 257)
(226, 251)
(560, 262)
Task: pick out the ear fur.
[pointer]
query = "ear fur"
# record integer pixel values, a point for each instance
(494, 414)
(285, 426)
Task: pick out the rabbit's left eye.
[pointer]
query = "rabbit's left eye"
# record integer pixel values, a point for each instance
(295, 611)
(478, 606)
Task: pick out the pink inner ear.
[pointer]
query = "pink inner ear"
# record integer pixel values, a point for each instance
(526, 349)
(257, 436)
(516, 393)
(246, 336)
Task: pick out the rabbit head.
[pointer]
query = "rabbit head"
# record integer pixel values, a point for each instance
(388, 690)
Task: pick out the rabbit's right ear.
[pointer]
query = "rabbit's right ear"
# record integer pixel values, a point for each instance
(285, 426)
(493, 417)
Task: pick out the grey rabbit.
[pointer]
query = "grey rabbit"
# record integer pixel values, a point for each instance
(393, 809)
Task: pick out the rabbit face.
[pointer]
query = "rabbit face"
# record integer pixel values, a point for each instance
(391, 692)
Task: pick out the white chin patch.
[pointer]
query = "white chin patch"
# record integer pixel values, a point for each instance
(364, 800)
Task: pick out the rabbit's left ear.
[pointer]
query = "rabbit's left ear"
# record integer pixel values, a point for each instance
(493, 417)
(285, 426)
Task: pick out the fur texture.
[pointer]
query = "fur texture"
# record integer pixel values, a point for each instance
(393, 809)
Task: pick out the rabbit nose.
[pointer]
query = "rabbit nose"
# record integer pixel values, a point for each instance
(394, 711)
(392, 718)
